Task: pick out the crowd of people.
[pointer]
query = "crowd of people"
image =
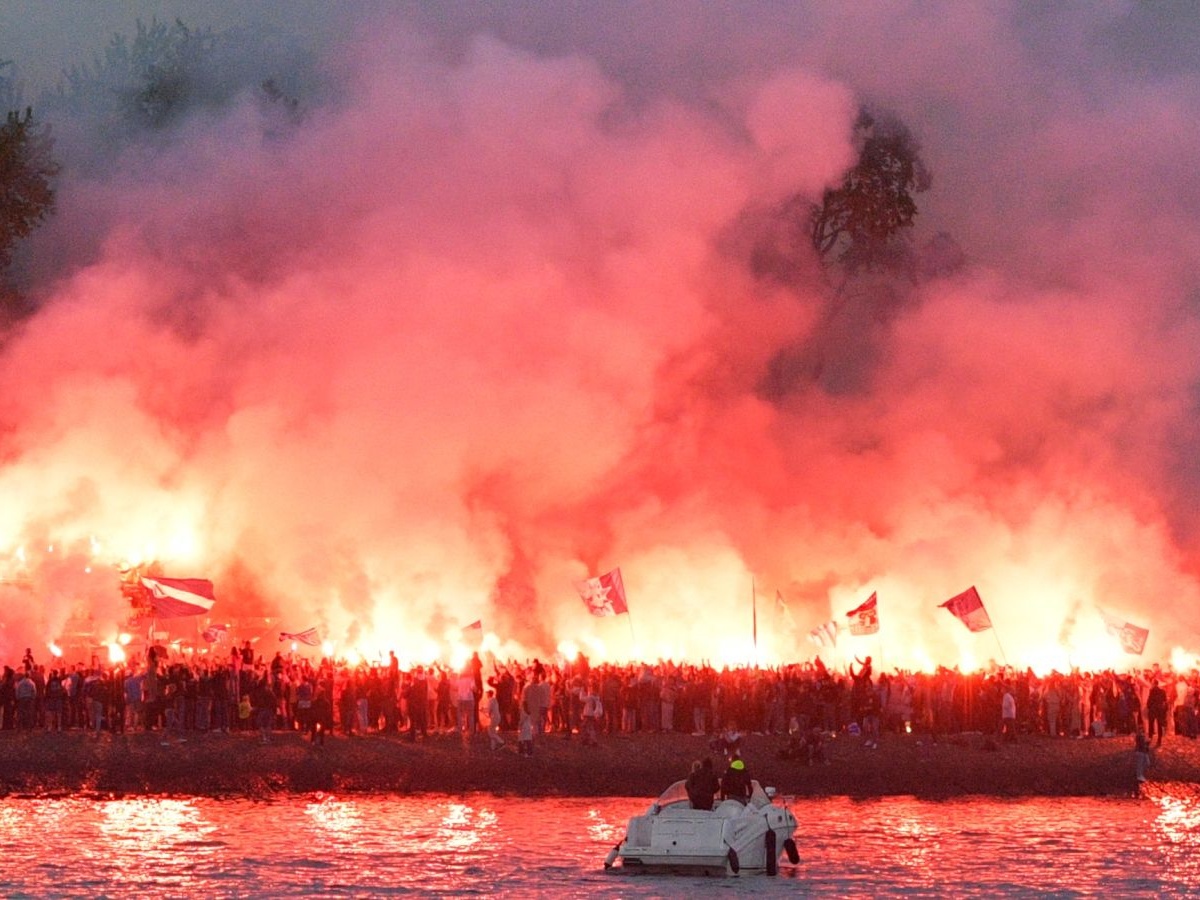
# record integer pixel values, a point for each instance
(523, 701)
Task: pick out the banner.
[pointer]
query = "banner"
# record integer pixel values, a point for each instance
(604, 595)
(171, 598)
(864, 619)
(214, 633)
(968, 607)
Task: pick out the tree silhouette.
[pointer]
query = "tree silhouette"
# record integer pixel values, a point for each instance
(861, 224)
(26, 171)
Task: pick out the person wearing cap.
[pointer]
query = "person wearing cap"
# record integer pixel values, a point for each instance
(735, 785)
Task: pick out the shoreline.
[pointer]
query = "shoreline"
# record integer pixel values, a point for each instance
(238, 765)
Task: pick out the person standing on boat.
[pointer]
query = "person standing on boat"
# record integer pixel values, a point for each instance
(735, 785)
(702, 784)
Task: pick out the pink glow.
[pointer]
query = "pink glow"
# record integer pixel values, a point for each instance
(478, 333)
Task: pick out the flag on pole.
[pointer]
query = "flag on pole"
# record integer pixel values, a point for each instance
(825, 635)
(308, 636)
(214, 633)
(604, 595)
(473, 633)
(864, 618)
(172, 598)
(1132, 637)
(968, 607)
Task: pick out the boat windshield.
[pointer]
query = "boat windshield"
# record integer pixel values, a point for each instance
(676, 793)
(758, 797)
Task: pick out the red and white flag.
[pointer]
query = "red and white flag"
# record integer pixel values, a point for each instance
(968, 607)
(864, 618)
(604, 595)
(1132, 637)
(171, 598)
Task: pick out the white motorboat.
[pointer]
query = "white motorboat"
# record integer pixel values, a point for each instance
(731, 838)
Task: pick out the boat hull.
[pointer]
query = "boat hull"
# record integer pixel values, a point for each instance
(732, 839)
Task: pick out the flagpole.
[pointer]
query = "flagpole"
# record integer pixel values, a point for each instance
(754, 617)
(1003, 655)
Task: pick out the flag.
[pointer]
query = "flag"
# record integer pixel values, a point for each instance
(473, 633)
(308, 636)
(214, 632)
(1132, 637)
(825, 635)
(604, 595)
(171, 598)
(969, 608)
(864, 619)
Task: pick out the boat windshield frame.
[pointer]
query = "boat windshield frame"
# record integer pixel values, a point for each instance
(676, 793)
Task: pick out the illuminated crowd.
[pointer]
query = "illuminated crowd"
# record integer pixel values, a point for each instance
(519, 701)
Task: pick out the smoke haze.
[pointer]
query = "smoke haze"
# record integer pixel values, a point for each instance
(487, 320)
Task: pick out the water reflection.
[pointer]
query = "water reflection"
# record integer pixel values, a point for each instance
(1178, 824)
(374, 846)
(463, 826)
(602, 829)
(152, 841)
(337, 820)
(915, 838)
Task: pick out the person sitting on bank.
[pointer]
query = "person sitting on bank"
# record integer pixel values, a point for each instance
(735, 785)
(729, 742)
(702, 784)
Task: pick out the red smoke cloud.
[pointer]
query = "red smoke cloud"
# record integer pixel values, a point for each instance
(488, 326)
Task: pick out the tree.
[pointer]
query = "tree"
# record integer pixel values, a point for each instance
(861, 224)
(141, 88)
(147, 82)
(26, 173)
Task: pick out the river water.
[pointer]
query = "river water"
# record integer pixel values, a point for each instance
(356, 846)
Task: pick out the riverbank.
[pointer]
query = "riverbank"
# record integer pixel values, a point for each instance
(41, 764)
